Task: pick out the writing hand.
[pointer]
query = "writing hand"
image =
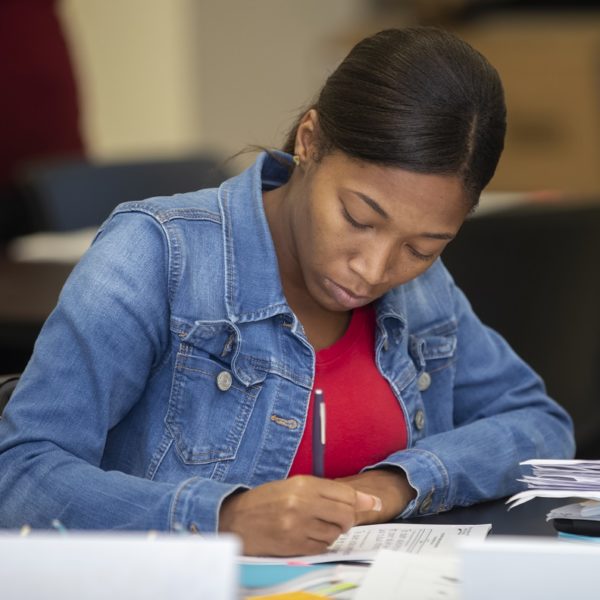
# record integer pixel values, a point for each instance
(300, 515)
(390, 485)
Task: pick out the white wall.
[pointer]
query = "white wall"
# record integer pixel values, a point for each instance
(163, 77)
(263, 61)
(136, 74)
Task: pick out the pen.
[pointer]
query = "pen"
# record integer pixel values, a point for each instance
(318, 434)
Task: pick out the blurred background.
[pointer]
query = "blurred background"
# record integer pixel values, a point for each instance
(111, 100)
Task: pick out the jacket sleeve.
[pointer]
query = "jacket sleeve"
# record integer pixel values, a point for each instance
(502, 415)
(91, 362)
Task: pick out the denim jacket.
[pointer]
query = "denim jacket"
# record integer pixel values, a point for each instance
(172, 372)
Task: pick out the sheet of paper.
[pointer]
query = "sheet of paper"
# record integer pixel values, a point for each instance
(105, 566)
(528, 495)
(396, 575)
(362, 543)
(559, 479)
(528, 568)
(579, 510)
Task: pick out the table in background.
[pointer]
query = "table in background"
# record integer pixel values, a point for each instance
(28, 293)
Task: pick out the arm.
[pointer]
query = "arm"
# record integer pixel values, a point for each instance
(91, 363)
(501, 416)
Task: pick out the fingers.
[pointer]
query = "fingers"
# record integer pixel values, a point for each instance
(301, 515)
(368, 502)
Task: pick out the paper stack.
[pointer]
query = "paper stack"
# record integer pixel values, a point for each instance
(561, 479)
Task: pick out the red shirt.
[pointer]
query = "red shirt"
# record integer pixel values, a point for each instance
(364, 421)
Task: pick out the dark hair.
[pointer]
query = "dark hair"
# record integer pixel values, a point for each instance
(418, 98)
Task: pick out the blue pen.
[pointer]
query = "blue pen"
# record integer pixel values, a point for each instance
(318, 434)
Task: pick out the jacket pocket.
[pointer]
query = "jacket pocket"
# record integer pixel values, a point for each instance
(208, 410)
(434, 348)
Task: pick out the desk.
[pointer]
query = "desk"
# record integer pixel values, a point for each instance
(526, 519)
(28, 293)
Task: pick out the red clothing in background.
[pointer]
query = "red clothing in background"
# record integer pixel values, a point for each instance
(39, 113)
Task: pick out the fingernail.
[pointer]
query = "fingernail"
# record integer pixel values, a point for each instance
(377, 504)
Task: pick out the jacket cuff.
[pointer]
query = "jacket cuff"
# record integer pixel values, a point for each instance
(426, 473)
(197, 503)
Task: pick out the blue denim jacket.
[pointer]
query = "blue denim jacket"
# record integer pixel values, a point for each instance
(173, 372)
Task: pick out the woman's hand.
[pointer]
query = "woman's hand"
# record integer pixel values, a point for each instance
(300, 515)
(390, 485)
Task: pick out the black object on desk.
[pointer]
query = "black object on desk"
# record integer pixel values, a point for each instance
(586, 527)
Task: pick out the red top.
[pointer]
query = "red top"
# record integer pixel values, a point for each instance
(364, 421)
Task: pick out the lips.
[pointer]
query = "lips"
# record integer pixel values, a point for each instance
(345, 297)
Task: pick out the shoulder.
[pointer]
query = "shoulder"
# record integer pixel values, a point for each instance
(201, 205)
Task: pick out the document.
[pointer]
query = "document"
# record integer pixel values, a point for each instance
(559, 479)
(396, 575)
(589, 509)
(363, 542)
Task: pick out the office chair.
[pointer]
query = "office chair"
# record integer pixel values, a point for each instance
(7, 386)
(75, 194)
(531, 272)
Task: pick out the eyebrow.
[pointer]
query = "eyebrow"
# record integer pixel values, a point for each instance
(372, 204)
(380, 211)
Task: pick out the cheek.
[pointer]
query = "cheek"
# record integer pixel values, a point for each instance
(406, 270)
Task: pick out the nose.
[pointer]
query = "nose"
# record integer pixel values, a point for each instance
(372, 264)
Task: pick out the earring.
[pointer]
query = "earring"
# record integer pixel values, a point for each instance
(296, 160)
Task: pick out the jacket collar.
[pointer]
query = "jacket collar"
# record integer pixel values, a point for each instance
(252, 282)
(253, 286)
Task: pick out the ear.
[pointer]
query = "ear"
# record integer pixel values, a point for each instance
(306, 136)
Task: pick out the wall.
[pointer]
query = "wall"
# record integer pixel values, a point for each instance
(161, 77)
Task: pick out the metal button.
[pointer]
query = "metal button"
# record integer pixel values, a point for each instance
(419, 419)
(426, 504)
(224, 380)
(424, 381)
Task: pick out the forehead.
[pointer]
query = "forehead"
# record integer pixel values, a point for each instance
(400, 193)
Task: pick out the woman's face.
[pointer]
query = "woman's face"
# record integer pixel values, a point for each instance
(360, 229)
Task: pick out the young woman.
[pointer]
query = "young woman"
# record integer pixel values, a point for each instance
(172, 387)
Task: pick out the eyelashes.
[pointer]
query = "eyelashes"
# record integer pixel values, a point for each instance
(352, 221)
(360, 226)
(418, 255)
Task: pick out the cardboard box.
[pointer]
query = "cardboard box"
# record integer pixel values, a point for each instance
(550, 67)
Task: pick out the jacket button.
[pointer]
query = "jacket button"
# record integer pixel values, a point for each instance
(424, 381)
(224, 380)
(419, 419)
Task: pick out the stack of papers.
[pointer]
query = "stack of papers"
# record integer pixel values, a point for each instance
(560, 479)
(399, 558)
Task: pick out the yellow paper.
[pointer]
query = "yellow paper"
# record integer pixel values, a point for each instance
(289, 596)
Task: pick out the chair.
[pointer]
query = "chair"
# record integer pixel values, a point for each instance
(7, 386)
(69, 195)
(531, 272)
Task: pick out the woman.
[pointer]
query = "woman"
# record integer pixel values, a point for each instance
(172, 386)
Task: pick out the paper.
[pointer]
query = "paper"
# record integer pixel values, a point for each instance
(362, 543)
(341, 580)
(105, 566)
(396, 575)
(559, 479)
(589, 510)
(502, 568)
